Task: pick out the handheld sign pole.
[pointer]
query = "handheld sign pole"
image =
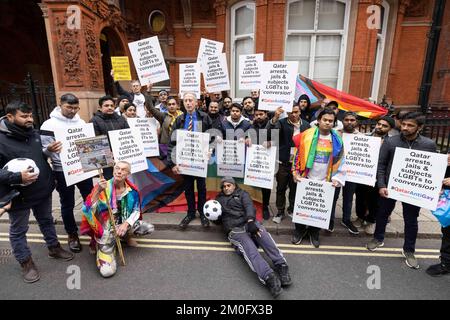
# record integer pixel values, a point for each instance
(111, 217)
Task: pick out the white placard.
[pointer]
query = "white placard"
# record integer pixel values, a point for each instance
(215, 73)
(230, 158)
(313, 203)
(192, 152)
(260, 166)
(361, 158)
(70, 161)
(416, 177)
(208, 48)
(278, 85)
(149, 60)
(190, 78)
(250, 71)
(126, 145)
(149, 135)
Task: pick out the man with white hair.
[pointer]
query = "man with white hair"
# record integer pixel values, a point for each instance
(123, 199)
(191, 120)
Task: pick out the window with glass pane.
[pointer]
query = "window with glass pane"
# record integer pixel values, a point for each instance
(242, 40)
(316, 44)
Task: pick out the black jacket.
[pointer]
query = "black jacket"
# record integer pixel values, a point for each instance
(205, 124)
(387, 154)
(240, 131)
(237, 209)
(260, 134)
(12, 146)
(286, 131)
(108, 122)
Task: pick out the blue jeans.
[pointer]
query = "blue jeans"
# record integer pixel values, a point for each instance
(410, 215)
(67, 199)
(248, 247)
(19, 226)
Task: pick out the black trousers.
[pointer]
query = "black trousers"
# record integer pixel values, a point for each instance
(265, 197)
(285, 180)
(445, 246)
(189, 193)
(367, 202)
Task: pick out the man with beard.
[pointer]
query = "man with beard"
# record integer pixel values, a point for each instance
(249, 108)
(410, 138)
(235, 126)
(214, 114)
(367, 200)
(18, 139)
(350, 122)
(246, 235)
(287, 129)
(104, 120)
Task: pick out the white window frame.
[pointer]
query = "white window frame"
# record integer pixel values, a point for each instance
(234, 38)
(379, 54)
(313, 33)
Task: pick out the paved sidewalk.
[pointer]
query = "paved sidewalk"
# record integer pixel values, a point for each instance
(429, 227)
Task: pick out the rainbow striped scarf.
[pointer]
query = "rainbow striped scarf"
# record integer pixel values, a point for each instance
(95, 218)
(305, 152)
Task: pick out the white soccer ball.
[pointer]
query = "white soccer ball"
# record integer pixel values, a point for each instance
(212, 210)
(21, 164)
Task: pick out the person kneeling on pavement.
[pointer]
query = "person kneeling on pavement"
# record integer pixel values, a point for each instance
(123, 199)
(246, 235)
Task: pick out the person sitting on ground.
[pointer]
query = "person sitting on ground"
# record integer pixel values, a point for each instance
(246, 235)
(123, 198)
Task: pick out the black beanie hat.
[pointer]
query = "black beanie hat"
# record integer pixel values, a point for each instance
(389, 120)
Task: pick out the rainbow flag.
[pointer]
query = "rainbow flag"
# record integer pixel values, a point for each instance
(317, 92)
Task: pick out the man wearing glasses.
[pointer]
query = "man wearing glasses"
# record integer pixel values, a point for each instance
(65, 115)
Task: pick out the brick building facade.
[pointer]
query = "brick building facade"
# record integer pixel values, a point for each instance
(341, 43)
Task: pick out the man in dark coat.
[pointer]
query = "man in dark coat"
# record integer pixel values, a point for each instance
(18, 139)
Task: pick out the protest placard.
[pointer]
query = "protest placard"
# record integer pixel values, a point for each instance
(361, 158)
(95, 153)
(230, 158)
(190, 78)
(416, 177)
(192, 152)
(149, 135)
(127, 146)
(121, 67)
(260, 166)
(215, 73)
(278, 85)
(313, 203)
(208, 48)
(149, 60)
(70, 160)
(250, 71)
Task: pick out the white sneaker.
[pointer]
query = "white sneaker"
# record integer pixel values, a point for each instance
(370, 228)
(278, 218)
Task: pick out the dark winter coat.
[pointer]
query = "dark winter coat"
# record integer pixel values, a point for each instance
(108, 122)
(18, 143)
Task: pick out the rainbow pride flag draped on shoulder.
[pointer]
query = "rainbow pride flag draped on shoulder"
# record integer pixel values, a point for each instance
(93, 220)
(317, 91)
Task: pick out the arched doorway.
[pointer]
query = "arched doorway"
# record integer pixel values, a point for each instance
(110, 46)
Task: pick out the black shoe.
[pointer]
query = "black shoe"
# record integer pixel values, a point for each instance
(350, 227)
(57, 252)
(74, 243)
(204, 221)
(314, 239)
(437, 270)
(266, 213)
(274, 285)
(283, 272)
(186, 220)
(298, 236)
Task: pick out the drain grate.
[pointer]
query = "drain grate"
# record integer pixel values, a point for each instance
(5, 255)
